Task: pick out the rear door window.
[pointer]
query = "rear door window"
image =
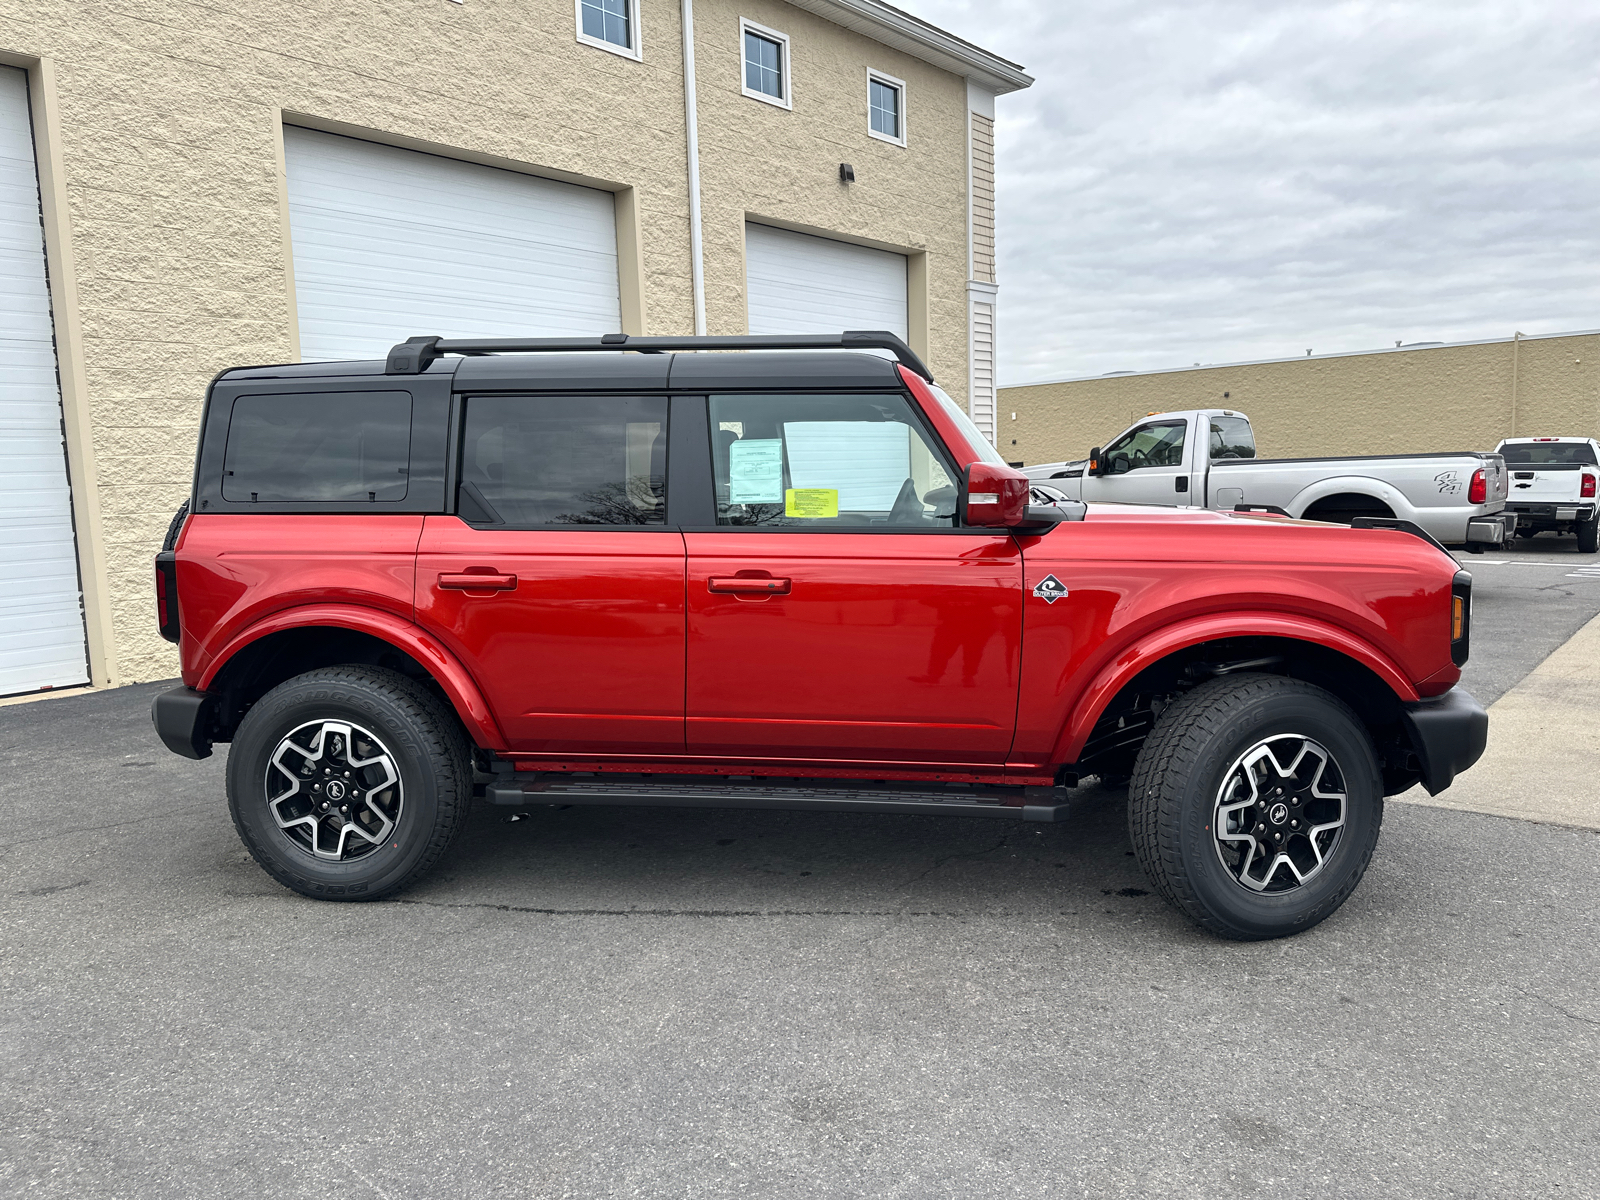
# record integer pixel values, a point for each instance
(1231, 437)
(827, 461)
(318, 447)
(533, 461)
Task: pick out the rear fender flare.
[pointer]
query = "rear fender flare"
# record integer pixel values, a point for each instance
(1115, 675)
(446, 670)
(1358, 485)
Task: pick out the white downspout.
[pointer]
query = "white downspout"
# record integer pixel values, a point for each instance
(697, 271)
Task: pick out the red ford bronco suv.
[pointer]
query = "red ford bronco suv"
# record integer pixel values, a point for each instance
(612, 571)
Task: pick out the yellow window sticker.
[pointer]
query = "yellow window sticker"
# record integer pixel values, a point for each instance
(811, 502)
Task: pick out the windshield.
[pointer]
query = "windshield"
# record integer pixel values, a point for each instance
(1546, 454)
(956, 413)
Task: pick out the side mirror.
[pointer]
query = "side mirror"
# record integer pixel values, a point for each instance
(995, 496)
(1094, 462)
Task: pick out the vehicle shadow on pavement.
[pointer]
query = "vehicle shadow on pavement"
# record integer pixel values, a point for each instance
(674, 861)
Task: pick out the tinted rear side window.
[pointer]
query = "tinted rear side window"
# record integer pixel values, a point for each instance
(318, 446)
(563, 460)
(1231, 438)
(1546, 454)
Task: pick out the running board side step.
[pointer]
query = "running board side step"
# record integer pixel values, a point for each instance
(1017, 804)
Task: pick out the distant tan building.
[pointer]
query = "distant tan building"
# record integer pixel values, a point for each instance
(187, 187)
(1462, 396)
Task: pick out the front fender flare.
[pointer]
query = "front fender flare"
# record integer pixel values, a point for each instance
(459, 686)
(1116, 674)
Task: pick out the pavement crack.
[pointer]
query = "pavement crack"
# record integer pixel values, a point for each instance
(1564, 1011)
(693, 912)
(939, 862)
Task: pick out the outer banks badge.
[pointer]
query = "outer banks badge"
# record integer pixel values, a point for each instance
(1050, 589)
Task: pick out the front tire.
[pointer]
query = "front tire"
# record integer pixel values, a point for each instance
(1255, 805)
(349, 783)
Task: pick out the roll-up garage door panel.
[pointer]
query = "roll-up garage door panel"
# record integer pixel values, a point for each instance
(41, 611)
(800, 283)
(391, 243)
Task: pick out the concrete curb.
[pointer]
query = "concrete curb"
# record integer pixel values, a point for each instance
(1543, 759)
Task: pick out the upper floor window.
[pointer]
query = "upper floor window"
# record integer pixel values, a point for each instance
(610, 24)
(886, 107)
(766, 64)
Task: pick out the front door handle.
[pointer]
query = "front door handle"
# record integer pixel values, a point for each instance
(748, 585)
(477, 581)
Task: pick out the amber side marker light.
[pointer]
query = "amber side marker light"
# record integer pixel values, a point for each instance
(1460, 617)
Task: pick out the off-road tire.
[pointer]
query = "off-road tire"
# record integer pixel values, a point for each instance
(429, 748)
(1176, 779)
(1588, 535)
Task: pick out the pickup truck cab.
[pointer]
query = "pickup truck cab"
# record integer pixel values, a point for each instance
(1553, 486)
(571, 573)
(1206, 458)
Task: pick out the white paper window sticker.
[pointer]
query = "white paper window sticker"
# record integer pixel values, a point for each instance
(866, 462)
(755, 471)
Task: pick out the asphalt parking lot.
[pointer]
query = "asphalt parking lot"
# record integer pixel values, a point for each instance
(597, 1003)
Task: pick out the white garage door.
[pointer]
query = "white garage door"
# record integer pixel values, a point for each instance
(41, 610)
(390, 243)
(797, 283)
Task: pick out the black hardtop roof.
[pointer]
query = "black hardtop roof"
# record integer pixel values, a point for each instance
(719, 370)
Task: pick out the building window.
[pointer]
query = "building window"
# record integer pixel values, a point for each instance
(766, 64)
(886, 107)
(610, 24)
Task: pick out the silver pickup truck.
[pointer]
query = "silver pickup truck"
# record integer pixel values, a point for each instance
(1553, 485)
(1206, 458)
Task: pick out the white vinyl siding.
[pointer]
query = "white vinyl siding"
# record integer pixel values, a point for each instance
(982, 406)
(392, 243)
(799, 283)
(41, 608)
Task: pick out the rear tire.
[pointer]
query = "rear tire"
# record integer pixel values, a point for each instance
(349, 783)
(1248, 757)
(1588, 536)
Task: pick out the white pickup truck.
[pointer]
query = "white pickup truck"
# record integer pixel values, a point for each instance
(1553, 485)
(1206, 458)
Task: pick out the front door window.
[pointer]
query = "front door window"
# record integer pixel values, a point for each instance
(827, 462)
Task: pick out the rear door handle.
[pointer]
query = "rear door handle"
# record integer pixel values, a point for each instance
(477, 581)
(748, 585)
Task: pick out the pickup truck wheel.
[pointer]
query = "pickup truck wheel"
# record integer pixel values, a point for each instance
(1255, 805)
(1588, 536)
(348, 783)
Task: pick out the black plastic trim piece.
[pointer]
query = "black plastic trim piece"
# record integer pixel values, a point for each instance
(1448, 733)
(1402, 526)
(183, 721)
(1036, 804)
(1262, 508)
(413, 356)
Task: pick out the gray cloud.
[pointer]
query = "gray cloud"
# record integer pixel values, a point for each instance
(1221, 181)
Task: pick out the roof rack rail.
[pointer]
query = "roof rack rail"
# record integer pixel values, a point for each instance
(412, 356)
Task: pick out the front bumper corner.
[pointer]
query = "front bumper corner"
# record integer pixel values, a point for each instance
(1448, 733)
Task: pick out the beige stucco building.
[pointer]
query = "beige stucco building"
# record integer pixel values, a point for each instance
(188, 187)
(1410, 399)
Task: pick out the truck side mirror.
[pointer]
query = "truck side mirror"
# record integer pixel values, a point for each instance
(994, 496)
(1094, 462)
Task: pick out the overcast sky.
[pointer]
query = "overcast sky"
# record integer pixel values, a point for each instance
(1215, 181)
